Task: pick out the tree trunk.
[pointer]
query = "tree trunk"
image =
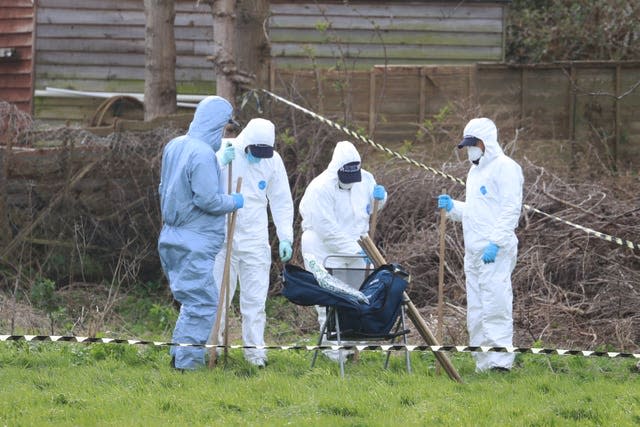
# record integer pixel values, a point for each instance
(160, 59)
(224, 38)
(253, 52)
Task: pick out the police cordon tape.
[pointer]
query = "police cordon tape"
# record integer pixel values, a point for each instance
(622, 242)
(377, 347)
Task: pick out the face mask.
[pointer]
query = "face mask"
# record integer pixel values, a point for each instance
(344, 186)
(474, 154)
(251, 159)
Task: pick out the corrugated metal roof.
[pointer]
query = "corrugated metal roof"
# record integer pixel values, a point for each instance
(16, 52)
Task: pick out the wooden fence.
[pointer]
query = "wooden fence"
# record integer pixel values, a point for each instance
(562, 101)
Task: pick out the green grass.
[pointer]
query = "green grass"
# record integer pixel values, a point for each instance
(111, 384)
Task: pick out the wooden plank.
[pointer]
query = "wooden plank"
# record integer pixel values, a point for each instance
(304, 63)
(123, 31)
(180, 5)
(17, 67)
(387, 37)
(114, 17)
(17, 26)
(17, 3)
(110, 46)
(389, 24)
(412, 9)
(110, 60)
(405, 52)
(16, 39)
(53, 72)
(11, 81)
(13, 13)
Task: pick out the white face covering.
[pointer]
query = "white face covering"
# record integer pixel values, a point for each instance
(474, 154)
(344, 186)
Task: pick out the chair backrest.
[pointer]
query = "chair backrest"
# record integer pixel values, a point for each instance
(384, 287)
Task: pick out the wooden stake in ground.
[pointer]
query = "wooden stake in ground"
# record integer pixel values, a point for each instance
(374, 254)
(440, 330)
(223, 301)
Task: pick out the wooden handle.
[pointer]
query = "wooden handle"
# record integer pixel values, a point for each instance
(223, 301)
(443, 224)
(412, 312)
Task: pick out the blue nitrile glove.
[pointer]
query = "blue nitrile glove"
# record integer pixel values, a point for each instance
(285, 251)
(379, 192)
(445, 201)
(366, 258)
(490, 252)
(238, 199)
(228, 153)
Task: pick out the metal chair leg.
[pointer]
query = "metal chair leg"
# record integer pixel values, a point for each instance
(340, 358)
(323, 333)
(404, 340)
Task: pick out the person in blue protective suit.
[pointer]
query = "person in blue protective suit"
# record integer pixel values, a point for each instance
(264, 183)
(193, 204)
(489, 216)
(335, 210)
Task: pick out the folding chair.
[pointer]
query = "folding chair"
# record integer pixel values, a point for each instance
(349, 320)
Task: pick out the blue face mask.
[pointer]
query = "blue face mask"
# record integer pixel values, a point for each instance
(253, 160)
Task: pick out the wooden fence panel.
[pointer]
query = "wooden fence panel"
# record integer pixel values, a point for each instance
(550, 101)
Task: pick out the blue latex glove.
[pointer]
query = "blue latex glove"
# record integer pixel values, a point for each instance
(490, 252)
(238, 199)
(228, 153)
(366, 258)
(285, 251)
(379, 192)
(445, 201)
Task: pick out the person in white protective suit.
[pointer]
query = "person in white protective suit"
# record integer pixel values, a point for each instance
(193, 206)
(264, 182)
(489, 216)
(335, 210)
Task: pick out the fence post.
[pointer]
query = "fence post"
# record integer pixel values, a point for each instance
(372, 101)
(572, 115)
(423, 97)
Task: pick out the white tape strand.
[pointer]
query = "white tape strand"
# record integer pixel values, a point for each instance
(622, 242)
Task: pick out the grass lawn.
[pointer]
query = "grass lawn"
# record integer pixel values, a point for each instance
(110, 384)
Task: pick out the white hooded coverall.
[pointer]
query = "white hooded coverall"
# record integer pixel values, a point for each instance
(263, 183)
(333, 219)
(490, 213)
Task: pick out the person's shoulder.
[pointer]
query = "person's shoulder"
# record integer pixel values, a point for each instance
(366, 175)
(506, 163)
(512, 162)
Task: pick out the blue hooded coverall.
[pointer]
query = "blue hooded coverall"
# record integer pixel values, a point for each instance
(193, 205)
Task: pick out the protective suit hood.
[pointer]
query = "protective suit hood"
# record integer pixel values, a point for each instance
(484, 129)
(344, 153)
(257, 131)
(212, 115)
